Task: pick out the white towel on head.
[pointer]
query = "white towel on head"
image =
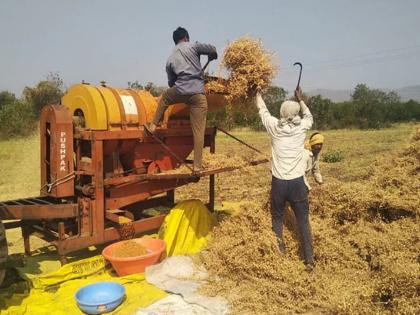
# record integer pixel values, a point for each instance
(289, 113)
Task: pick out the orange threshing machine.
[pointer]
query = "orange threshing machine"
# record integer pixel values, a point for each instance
(100, 170)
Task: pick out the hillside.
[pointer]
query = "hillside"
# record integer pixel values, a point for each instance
(406, 93)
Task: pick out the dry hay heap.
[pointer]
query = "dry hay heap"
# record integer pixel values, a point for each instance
(366, 242)
(248, 65)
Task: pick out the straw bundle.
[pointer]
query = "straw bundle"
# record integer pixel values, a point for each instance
(249, 66)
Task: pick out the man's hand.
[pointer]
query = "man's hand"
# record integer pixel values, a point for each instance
(212, 56)
(254, 90)
(318, 178)
(299, 94)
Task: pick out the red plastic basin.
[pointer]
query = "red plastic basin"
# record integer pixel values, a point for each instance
(129, 265)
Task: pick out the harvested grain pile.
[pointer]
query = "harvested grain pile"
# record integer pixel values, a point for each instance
(366, 244)
(249, 65)
(130, 249)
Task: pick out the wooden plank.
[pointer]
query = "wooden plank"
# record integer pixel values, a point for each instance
(203, 173)
(137, 178)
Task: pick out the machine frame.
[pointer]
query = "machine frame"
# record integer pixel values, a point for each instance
(106, 208)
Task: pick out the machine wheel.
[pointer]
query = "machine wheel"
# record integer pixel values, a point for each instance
(3, 251)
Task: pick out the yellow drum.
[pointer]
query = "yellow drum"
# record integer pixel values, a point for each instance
(108, 108)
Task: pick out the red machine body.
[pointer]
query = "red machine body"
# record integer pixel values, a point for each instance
(100, 170)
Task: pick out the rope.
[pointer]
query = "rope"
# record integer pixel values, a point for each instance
(58, 181)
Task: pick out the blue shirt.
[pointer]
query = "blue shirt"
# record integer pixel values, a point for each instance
(184, 68)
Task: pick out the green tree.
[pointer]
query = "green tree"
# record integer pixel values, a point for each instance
(273, 97)
(154, 89)
(218, 118)
(246, 114)
(149, 86)
(17, 119)
(321, 110)
(411, 110)
(343, 115)
(135, 85)
(373, 106)
(6, 97)
(46, 92)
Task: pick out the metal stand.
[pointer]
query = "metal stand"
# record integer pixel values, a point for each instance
(170, 195)
(26, 243)
(212, 177)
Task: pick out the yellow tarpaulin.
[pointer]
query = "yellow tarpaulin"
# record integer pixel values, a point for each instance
(187, 228)
(53, 293)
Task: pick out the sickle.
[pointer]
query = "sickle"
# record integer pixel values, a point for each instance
(207, 63)
(300, 73)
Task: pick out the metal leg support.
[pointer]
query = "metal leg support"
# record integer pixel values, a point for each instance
(26, 232)
(170, 195)
(212, 177)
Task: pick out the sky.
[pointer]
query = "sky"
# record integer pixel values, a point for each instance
(340, 43)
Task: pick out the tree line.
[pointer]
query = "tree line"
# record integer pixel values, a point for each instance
(20, 116)
(367, 108)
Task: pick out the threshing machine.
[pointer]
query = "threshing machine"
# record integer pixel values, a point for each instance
(100, 169)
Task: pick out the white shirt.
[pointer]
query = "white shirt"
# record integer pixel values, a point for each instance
(312, 165)
(287, 141)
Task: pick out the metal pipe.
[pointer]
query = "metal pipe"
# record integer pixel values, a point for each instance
(239, 140)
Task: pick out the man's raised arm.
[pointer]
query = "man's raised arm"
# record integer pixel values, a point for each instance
(206, 49)
(307, 119)
(268, 121)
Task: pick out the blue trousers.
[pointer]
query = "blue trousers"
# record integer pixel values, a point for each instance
(295, 192)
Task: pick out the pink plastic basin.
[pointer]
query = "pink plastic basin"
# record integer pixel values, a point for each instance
(129, 265)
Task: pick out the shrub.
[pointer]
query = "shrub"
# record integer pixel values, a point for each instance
(6, 97)
(17, 119)
(332, 156)
(46, 92)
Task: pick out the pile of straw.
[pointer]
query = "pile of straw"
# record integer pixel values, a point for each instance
(249, 66)
(366, 244)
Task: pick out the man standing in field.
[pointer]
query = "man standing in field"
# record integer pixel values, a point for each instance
(186, 82)
(313, 147)
(288, 167)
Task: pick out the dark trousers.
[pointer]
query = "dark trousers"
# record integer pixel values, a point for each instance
(198, 117)
(295, 192)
